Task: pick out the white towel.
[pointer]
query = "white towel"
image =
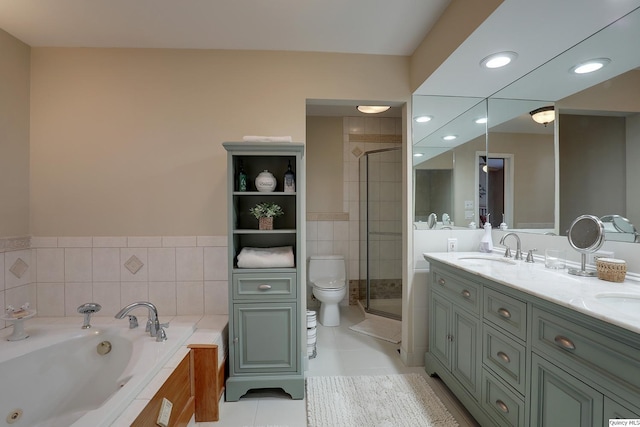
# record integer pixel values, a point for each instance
(266, 257)
(256, 138)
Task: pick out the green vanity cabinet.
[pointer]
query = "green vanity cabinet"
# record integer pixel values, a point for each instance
(455, 331)
(537, 363)
(266, 303)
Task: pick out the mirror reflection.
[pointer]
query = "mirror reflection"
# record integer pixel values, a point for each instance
(587, 165)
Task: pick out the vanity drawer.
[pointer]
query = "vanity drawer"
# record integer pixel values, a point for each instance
(505, 356)
(506, 312)
(462, 292)
(264, 286)
(584, 349)
(504, 406)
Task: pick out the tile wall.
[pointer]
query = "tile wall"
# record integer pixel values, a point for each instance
(338, 233)
(181, 275)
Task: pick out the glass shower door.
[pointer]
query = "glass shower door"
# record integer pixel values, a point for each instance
(381, 232)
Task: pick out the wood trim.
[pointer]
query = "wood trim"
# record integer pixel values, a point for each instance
(208, 381)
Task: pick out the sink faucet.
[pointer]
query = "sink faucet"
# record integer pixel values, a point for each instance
(518, 245)
(154, 327)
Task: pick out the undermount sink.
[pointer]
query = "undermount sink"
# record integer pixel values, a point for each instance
(487, 258)
(627, 303)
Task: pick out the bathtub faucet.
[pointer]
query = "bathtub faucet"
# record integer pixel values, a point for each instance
(87, 310)
(154, 327)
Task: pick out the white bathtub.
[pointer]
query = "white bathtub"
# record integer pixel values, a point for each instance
(56, 378)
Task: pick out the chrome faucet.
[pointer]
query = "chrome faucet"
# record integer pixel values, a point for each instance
(87, 310)
(507, 253)
(154, 327)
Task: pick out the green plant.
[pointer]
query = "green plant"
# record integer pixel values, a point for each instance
(266, 210)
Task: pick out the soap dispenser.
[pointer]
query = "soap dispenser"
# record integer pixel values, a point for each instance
(486, 243)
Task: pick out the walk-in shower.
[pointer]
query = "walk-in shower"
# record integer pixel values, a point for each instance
(380, 290)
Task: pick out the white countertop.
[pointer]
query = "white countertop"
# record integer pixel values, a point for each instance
(589, 295)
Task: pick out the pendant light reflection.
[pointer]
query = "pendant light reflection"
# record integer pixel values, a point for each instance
(372, 109)
(543, 115)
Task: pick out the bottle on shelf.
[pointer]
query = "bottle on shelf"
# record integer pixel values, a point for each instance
(242, 177)
(289, 180)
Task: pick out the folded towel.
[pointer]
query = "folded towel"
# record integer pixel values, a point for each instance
(266, 257)
(255, 138)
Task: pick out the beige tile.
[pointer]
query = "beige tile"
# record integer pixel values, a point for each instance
(215, 263)
(178, 241)
(78, 265)
(190, 298)
(216, 296)
(162, 264)
(75, 242)
(141, 257)
(50, 299)
(163, 295)
(144, 242)
(50, 267)
(76, 294)
(110, 242)
(106, 264)
(189, 264)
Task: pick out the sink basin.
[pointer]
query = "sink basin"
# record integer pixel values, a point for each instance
(487, 258)
(626, 303)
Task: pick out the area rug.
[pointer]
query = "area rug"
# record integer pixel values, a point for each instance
(380, 327)
(375, 401)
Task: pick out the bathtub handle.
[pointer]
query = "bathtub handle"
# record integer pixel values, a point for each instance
(133, 322)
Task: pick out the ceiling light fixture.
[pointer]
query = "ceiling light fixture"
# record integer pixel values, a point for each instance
(372, 109)
(418, 155)
(590, 66)
(481, 120)
(423, 119)
(498, 60)
(449, 137)
(543, 115)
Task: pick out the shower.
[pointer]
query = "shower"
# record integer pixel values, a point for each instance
(380, 290)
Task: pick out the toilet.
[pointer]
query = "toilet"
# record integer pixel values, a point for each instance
(327, 277)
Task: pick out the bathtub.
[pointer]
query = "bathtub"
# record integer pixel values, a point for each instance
(57, 378)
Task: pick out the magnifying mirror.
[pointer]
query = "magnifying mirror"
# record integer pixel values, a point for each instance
(586, 235)
(619, 224)
(432, 220)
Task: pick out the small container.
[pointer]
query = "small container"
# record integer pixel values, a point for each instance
(555, 259)
(611, 269)
(265, 182)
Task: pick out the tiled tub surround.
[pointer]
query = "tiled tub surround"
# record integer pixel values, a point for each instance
(181, 275)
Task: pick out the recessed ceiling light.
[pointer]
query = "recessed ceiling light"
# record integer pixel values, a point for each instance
(372, 109)
(590, 66)
(481, 120)
(449, 137)
(423, 119)
(418, 155)
(498, 60)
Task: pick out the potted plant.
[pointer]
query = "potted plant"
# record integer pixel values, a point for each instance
(264, 213)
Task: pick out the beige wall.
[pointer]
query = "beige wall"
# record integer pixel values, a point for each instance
(459, 20)
(128, 141)
(324, 164)
(14, 136)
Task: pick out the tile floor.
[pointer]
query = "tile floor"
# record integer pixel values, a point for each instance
(341, 351)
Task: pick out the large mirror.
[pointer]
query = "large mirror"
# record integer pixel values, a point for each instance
(587, 165)
(447, 137)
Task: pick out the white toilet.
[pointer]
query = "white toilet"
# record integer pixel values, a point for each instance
(327, 276)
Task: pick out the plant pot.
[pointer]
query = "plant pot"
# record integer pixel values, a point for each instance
(265, 223)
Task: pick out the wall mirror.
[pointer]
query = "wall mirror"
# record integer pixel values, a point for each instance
(596, 135)
(447, 135)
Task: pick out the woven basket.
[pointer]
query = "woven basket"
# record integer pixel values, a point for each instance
(265, 223)
(611, 270)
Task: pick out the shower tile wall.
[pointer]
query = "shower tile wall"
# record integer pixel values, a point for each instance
(339, 233)
(181, 275)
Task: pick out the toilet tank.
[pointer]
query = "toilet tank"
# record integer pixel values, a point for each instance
(326, 267)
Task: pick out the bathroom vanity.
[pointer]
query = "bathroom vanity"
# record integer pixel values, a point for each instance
(521, 345)
(265, 296)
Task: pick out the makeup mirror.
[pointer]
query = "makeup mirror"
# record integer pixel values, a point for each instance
(586, 235)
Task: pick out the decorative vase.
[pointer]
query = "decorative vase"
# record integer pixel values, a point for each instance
(265, 182)
(265, 223)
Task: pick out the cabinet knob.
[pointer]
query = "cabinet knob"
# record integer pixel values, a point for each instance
(502, 406)
(466, 294)
(504, 313)
(450, 337)
(564, 342)
(504, 356)
(264, 287)
(441, 282)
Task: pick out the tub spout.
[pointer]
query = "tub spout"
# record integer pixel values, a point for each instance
(153, 324)
(87, 310)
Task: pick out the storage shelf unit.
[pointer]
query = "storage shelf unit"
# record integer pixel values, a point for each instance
(266, 305)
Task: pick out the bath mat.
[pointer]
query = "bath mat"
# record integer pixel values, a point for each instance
(380, 327)
(375, 401)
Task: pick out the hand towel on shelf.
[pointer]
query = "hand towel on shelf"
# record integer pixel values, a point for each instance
(256, 138)
(266, 257)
